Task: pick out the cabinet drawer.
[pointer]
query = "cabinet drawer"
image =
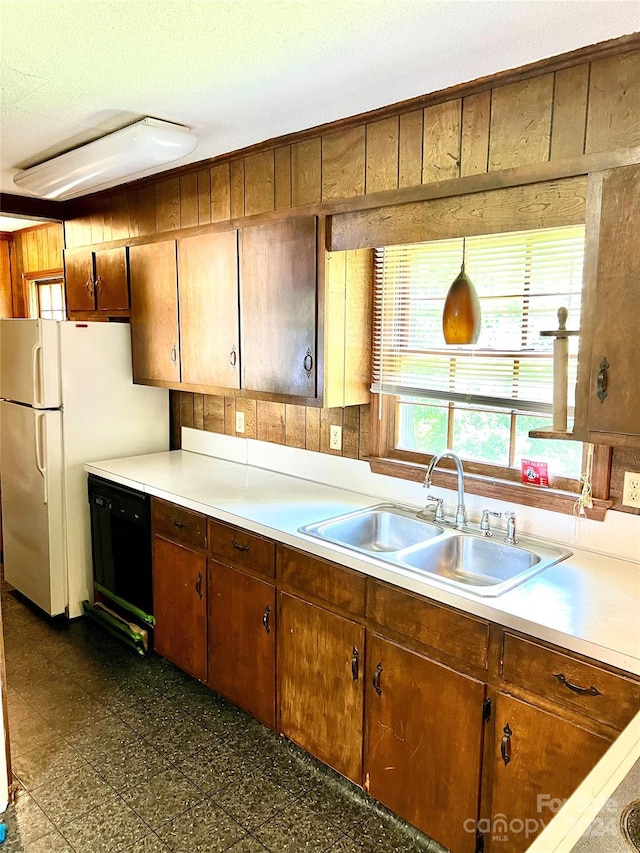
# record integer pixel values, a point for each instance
(464, 637)
(602, 695)
(343, 588)
(234, 545)
(179, 524)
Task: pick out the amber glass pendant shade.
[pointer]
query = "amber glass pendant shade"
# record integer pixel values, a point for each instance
(461, 316)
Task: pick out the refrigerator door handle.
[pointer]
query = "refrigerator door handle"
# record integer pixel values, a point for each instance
(42, 468)
(36, 373)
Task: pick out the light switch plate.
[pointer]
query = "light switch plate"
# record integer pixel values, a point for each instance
(239, 421)
(631, 490)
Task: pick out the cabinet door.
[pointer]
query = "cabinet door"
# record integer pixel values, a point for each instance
(78, 278)
(538, 761)
(180, 606)
(112, 283)
(423, 742)
(278, 307)
(320, 684)
(154, 312)
(242, 648)
(615, 311)
(209, 321)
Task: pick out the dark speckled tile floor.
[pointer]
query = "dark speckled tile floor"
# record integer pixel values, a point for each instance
(118, 754)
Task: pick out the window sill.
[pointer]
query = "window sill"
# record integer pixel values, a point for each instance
(550, 499)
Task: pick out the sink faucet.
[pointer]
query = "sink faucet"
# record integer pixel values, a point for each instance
(461, 513)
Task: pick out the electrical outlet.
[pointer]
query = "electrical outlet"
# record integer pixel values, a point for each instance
(335, 437)
(631, 490)
(239, 421)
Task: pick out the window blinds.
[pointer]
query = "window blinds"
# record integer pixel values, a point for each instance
(522, 278)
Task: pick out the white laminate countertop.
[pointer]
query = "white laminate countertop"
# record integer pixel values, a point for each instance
(589, 603)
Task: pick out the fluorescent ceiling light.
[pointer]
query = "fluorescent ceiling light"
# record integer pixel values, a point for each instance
(121, 154)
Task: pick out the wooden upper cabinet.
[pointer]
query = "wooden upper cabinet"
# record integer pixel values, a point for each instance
(209, 320)
(111, 282)
(79, 281)
(607, 399)
(155, 342)
(97, 281)
(278, 299)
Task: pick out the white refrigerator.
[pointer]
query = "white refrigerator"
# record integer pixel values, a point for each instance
(66, 398)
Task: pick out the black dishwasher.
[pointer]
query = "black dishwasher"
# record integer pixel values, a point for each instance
(121, 552)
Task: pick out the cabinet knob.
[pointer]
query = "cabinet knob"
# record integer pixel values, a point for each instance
(376, 679)
(505, 744)
(355, 656)
(308, 362)
(265, 619)
(603, 379)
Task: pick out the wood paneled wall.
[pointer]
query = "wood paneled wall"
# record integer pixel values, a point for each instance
(36, 249)
(6, 288)
(39, 248)
(564, 108)
(295, 426)
(584, 109)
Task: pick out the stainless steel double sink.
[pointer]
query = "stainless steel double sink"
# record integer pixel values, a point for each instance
(460, 558)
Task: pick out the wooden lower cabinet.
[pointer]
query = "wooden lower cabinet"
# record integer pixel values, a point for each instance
(423, 742)
(539, 759)
(320, 657)
(242, 647)
(180, 606)
(410, 729)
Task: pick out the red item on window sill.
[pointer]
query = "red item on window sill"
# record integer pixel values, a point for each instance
(534, 473)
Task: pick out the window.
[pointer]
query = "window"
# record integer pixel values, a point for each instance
(481, 400)
(45, 294)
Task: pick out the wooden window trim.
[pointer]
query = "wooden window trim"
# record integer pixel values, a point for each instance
(482, 479)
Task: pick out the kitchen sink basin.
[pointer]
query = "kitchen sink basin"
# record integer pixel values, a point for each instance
(472, 560)
(460, 558)
(376, 529)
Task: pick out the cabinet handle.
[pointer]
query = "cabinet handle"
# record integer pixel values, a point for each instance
(355, 654)
(240, 547)
(99, 285)
(233, 358)
(89, 286)
(581, 691)
(265, 619)
(199, 585)
(376, 679)
(308, 362)
(603, 379)
(505, 744)
(174, 354)
(179, 524)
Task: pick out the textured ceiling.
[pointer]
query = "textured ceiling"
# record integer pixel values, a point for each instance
(243, 71)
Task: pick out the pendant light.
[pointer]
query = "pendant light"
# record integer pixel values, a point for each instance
(461, 316)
